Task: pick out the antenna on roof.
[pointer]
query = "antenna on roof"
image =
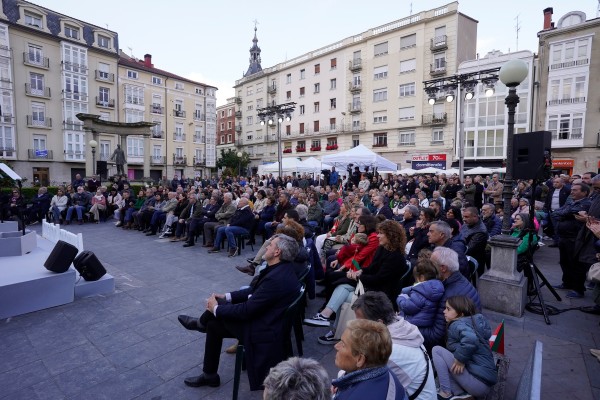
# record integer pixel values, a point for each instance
(411, 8)
(517, 29)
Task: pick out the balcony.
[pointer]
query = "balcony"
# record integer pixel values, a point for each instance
(105, 157)
(199, 162)
(180, 137)
(179, 113)
(70, 125)
(434, 119)
(72, 95)
(354, 107)
(287, 151)
(6, 119)
(35, 60)
(568, 64)
(239, 142)
(300, 149)
(34, 154)
(75, 67)
(104, 76)
(315, 148)
(157, 109)
(198, 139)
(158, 134)
(238, 128)
(44, 92)
(238, 100)
(238, 114)
(179, 160)
(439, 43)
(574, 100)
(355, 65)
(331, 147)
(437, 70)
(45, 123)
(110, 103)
(358, 127)
(199, 116)
(354, 86)
(7, 152)
(158, 160)
(272, 89)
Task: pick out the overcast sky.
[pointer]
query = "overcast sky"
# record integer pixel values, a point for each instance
(208, 41)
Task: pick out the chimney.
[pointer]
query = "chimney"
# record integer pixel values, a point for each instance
(548, 18)
(148, 60)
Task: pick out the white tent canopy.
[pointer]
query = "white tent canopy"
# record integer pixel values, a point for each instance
(449, 172)
(361, 157)
(406, 171)
(428, 170)
(312, 165)
(479, 171)
(289, 164)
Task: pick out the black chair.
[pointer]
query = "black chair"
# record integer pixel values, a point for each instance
(473, 266)
(239, 366)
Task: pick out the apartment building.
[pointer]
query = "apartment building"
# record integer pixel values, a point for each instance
(51, 67)
(226, 127)
(365, 89)
(182, 141)
(569, 66)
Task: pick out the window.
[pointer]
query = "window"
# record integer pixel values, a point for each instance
(317, 87)
(356, 80)
(75, 87)
(157, 131)
(380, 139)
(407, 89)
(408, 65)
(355, 140)
(134, 95)
(301, 127)
(302, 73)
(490, 143)
(105, 152)
(179, 135)
(74, 146)
(104, 41)
(301, 144)
(135, 146)
(199, 91)
(302, 109)
(315, 126)
(35, 55)
(229, 138)
(259, 103)
(288, 95)
(36, 84)
(407, 138)
(72, 108)
(32, 19)
(103, 96)
(288, 130)
(333, 63)
(571, 53)
(71, 32)
(222, 126)
(288, 78)
(437, 136)
(380, 49)
(408, 41)
(103, 70)
(259, 86)
(249, 120)
(179, 86)
(332, 104)
(439, 61)
(380, 72)
(567, 90)
(316, 104)
(178, 111)
(156, 80)
(317, 69)
(74, 58)
(379, 117)
(566, 126)
(332, 84)
(302, 92)
(380, 95)
(38, 114)
(133, 115)
(356, 123)
(332, 124)
(439, 36)
(156, 104)
(406, 113)
(132, 74)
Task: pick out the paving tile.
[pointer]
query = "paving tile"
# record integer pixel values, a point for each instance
(86, 375)
(178, 361)
(117, 341)
(71, 359)
(22, 377)
(46, 390)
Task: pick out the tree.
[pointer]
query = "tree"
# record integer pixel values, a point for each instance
(229, 159)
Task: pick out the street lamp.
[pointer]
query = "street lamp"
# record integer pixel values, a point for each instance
(240, 155)
(93, 145)
(511, 74)
(281, 112)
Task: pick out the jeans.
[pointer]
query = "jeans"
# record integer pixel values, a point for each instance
(342, 294)
(156, 218)
(453, 383)
(78, 209)
(56, 213)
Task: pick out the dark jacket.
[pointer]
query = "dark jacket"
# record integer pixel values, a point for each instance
(562, 198)
(41, 202)
(331, 208)
(468, 341)
(267, 213)
(457, 244)
(243, 217)
(493, 225)
(475, 238)
(421, 241)
(584, 244)
(260, 310)
(357, 385)
(420, 307)
(385, 273)
(281, 210)
(82, 199)
(568, 226)
(386, 211)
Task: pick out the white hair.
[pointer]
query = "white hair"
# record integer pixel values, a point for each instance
(447, 257)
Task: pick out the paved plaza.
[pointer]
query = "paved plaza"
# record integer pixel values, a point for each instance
(129, 345)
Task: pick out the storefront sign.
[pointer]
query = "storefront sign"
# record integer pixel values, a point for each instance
(563, 163)
(429, 157)
(428, 164)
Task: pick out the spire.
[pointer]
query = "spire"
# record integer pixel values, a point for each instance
(254, 55)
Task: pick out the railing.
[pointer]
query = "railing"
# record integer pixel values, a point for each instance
(6, 119)
(138, 101)
(238, 100)
(439, 43)
(158, 160)
(179, 113)
(103, 103)
(354, 107)
(104, 76)
(53, 233)
(71, 125)
(238, 114)
(31, 59)
(573, 100)
(199, 162)
(179, 136)
(567, 64)
(434, 119)
(179, 160)
(355, 65)
(39, 123)
(34, 154)
(45, 92)
(75, 67)
(354, 86)
(198, 139)
(272, 89)
(156, 134)
(567, 135)
(439, 70)
(70, 94)
(157, 109)
(238, 128)
(198, 116)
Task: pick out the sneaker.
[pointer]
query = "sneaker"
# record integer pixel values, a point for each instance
(561, 286)
(574, 295)
(317, 320)
(465, 396)
(328, 339)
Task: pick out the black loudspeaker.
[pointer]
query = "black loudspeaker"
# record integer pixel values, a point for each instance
(61, 257)
(88, 266)
(531, 154)
(102, 168)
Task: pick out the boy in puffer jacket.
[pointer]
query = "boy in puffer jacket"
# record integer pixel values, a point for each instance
(419, 304)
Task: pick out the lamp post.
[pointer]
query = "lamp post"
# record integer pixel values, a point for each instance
(93, 145)
(511, 74)
(281, 112)
(240, 155)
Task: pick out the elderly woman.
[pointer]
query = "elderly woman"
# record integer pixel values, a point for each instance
(341, 224)
(98, 204)
(297, 378)
(363, 354)
(58, 204)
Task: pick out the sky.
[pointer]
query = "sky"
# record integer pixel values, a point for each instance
(208, 41)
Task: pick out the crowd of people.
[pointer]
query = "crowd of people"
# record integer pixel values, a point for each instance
(415, 244)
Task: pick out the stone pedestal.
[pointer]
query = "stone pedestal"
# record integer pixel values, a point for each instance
(503, 289)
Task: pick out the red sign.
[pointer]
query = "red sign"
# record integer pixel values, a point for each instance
(563, 163)
(429, 157)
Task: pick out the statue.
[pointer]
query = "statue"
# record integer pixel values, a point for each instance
(119, 157)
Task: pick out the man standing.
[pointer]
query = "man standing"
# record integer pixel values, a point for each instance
(492, 223)
(494, 190)
(119, 157)
(475, 235)
(333, 178)
(556, 198)
(254, 315)
(77, 182)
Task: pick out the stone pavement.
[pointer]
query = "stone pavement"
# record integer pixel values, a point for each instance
(129, 345)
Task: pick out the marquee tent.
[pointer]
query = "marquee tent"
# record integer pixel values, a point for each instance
(359, 156)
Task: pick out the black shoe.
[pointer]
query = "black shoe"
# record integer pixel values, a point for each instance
(197, 381)
(591, 310)
(151, 233)
(251, 261)
(553, 245)
(249, 269)
(188, 244)
(191, 323)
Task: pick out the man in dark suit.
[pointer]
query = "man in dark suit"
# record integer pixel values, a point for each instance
(382, 207)
(253, 315)
(556, 198)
